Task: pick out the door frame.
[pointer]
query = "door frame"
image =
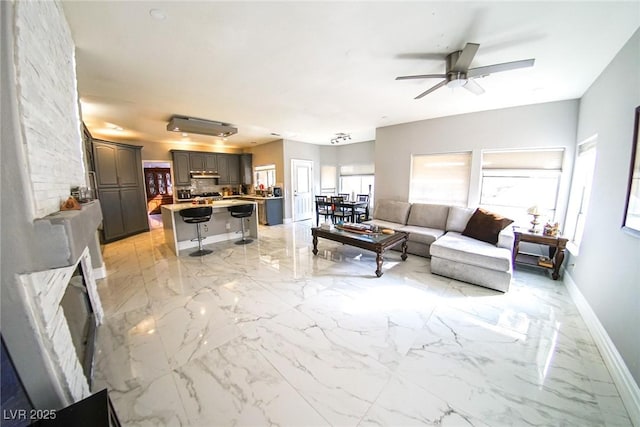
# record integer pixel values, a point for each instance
(294, 164)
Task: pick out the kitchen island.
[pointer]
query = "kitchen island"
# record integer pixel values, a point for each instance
(222, 226)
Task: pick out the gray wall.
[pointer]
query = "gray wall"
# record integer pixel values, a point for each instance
(358, 153)
(533, 126)
(607, 271)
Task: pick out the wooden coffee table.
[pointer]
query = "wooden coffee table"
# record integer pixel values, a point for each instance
(377, 243)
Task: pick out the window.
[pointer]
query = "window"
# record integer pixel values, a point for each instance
(328, 180)
(265, 175)
(513, 181)
(357, 179)
(440, 178)
(583, 169)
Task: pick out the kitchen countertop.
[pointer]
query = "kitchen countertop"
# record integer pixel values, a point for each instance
(260, 197)
(215, 204)
(235, 196)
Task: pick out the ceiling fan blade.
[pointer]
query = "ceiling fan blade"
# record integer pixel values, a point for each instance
(422, 76)
(465, 58)
(423, 56)
(496, 68)
(473, 87)
(428, 91)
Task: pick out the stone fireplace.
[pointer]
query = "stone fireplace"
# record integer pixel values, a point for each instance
(42, 159)
(70, 235)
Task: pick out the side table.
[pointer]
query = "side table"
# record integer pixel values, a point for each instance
(556, 244)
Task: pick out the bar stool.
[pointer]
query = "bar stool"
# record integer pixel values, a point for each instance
(241, 211)
(196, 216)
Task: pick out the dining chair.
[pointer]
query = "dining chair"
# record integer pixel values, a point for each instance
(339, 210)
(324, 208)
(362, 212)
(345, 196)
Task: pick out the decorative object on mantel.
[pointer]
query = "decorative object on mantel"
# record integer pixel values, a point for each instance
(550, 229)
(340, 137)
(535, 212)
(70, 204)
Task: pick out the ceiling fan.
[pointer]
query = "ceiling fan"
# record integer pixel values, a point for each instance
(458, 73)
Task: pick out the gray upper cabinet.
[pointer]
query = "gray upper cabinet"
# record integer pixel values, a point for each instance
(223, 169)
(129, 166)
(105, 162)
(226, 165)
(229, 169)
(246, 168)
(196, 161)
(181, 168)
(116, 165)
(233, 166)
(211, 162)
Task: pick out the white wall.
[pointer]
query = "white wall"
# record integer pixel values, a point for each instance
(48, 98)
(40, 142)
(533, 126)
(607, 271)
(298, 151)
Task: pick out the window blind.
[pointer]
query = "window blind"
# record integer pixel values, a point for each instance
(440, 178)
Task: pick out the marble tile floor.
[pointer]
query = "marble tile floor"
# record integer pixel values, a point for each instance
(269, 334)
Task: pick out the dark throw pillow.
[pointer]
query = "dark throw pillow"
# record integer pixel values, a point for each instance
(484, 225)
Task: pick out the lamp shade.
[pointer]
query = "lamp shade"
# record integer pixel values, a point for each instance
(533, 210)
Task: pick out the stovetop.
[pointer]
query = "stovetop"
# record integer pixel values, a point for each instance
(207, 194)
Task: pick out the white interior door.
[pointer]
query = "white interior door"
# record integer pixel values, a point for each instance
(302, 186)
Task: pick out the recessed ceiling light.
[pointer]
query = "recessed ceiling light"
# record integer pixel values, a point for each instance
(157, 14)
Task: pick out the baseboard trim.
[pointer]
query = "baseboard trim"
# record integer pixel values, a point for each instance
(100, 272)
(627, 387)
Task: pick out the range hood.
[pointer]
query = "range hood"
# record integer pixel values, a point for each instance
(200, 126)
(204, 174)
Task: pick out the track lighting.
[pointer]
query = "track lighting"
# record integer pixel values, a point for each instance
(340, 137)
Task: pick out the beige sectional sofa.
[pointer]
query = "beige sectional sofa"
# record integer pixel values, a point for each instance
(435, 231)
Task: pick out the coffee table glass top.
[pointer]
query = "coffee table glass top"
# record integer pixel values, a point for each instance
(369, 237)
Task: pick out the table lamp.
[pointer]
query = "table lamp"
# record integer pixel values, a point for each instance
(535, 212)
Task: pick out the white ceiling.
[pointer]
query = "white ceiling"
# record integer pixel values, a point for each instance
(308, 70)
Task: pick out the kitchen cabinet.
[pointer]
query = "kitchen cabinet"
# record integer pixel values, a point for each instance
(246, 168)
(226, 165)
(181, 168)
(223, 169)
(229, 169)
(273, 211)
(211, 162)
(233, 164)
(116, 164)
(120, 188)
(270, 209)
(196, 161)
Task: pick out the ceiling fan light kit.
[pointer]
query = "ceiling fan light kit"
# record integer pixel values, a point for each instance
(458, 73)
(186, 124)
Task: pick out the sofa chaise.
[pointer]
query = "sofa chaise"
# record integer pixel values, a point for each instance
(471, 245)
